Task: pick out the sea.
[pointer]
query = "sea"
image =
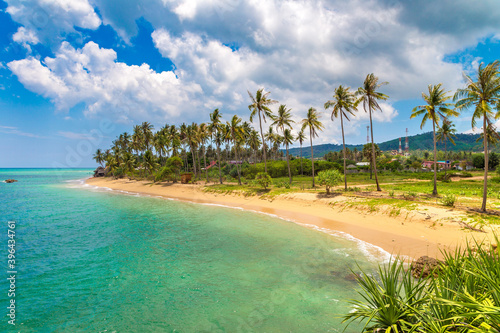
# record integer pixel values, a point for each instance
(89, 259)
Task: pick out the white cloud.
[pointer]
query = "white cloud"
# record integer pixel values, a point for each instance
(92, 76)
(15, 131)
(25, 37)
(47, 20)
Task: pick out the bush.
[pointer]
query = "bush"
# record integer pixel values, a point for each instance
(263, 179)
(449, 200)
(329, 178)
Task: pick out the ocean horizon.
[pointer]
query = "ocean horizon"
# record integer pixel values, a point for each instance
(95, 259)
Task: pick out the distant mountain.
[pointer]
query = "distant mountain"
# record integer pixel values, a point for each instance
(464, 142)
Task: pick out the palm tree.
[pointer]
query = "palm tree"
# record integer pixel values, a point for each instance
(283, 120)
(137, 139)
(269, 136)
(236, 134)
(491, 134)
(254, 143)
(99, 156)
(128, 162)
(435, 109)
(484, 94)
(288, 140)
(370, 96)
(260, 105)
(301, 137)
(149, 163)
(203, 134)
(344, 103)
(215, 130)
(147, 132)
(312, 121)
(446, 132)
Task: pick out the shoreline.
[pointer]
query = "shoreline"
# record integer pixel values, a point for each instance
(425, 231)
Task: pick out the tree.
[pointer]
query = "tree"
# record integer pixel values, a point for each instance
(254, 143)
(263, 179)
(370, 96)
(344, 103)
(215, 130)
(147, 134)
(283, 121)
(288, 140)
(446, 132)
(484, 95)
(236, 133)
(301, 137)
(435, 109)
(491, 134)
(99, 156)
(149, 163)
(260, 106)
(329, 178)
(368, 154)
(314, 125)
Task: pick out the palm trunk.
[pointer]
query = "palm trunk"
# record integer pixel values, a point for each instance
(312, 154)
(218, 162)
(373, 152)
(343, 143)
(485, 186)
(301, 169)
(435, 191)
(237, 165)
(288, 163)
(263, 143)
(205, 162)
(194, 162)
(199, 162)
(445, 164)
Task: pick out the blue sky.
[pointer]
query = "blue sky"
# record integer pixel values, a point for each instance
(75, 74)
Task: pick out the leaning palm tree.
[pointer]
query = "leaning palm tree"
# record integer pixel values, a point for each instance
(99, 156)
(446, 132)
(344, 103)
(260, 106)
(491, 134)
(370, 96)
(283, 120)
(301, 137)
(312, 121)
(484, 95)
(215, 131)
(435, 109)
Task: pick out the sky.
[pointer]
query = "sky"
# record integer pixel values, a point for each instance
(74, 74)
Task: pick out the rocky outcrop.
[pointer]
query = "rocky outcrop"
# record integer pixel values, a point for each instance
(10, 180)
(99, 172)
(425, 266)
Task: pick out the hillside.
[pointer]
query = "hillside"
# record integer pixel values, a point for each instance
(464, 142)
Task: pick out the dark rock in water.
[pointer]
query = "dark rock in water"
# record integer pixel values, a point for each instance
(352, 277)
(10, 180)
(425, 266)
(99, 172)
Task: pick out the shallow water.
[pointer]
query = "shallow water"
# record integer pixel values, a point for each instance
(92, 260)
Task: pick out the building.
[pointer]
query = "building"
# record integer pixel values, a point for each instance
(440, 164)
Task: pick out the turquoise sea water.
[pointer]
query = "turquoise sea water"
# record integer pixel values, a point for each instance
(95, 260)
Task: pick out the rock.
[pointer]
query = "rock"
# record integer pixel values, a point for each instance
(425, 266)
(99, 172)
(10, 181)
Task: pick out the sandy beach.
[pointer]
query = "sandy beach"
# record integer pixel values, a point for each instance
(422, 231)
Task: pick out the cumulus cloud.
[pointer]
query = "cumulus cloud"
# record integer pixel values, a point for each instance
(25, 37)
(92, 76)
(49, 20)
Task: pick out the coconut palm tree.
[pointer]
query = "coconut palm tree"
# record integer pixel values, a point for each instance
(344, 103)
(314, 125)
(236, 134)
(288, 139)
(446, 132)
(203, 134)
(137, 139)
(149, 163)
(484, 95)
(147, 133)
(254, 143)
(491, 134)
(215, 130)
(301, 137)
(283, 120)
(369, 95)
(435, 109)
(260, 106)
(99, 156)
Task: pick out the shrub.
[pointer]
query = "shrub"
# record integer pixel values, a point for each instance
(263, 179)
(329, 178)
(449, 200)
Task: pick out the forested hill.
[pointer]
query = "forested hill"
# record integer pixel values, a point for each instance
(463, 142)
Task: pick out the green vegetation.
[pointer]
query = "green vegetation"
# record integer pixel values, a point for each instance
(462, 296)
(329, 178)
